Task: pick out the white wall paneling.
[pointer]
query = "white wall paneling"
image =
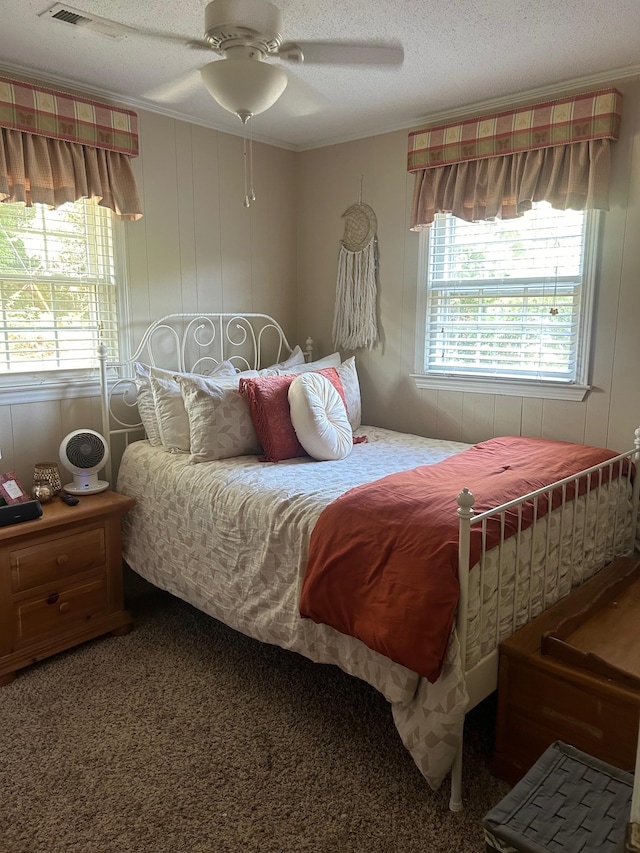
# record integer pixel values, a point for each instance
(609, 413)
(198, 248)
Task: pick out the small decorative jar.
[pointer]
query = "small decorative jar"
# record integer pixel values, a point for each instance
(48, 473)
(42, 492)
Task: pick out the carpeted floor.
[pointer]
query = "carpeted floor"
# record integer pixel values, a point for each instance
(186, 736)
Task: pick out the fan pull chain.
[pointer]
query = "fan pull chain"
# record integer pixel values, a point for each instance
(252, 194)
(247, 153)
(247, 200)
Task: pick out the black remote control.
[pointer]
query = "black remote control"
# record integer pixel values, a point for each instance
(68, 499)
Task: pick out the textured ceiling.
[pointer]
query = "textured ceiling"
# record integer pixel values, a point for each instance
(457, 53)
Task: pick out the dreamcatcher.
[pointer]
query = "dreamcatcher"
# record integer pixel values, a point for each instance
(355, 322)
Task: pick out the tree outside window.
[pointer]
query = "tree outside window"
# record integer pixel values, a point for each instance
(510, 300)
(57, 287)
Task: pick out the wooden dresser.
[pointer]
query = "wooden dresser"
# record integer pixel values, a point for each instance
(61, 580)
(573, 674)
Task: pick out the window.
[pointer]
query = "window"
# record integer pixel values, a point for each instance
(58, 294)
(509, 302)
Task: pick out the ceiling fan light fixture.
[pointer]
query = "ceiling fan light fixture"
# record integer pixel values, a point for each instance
(244, 86)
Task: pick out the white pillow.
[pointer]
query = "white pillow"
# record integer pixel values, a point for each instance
(173, 423)
(170, 408)
(220, 424)
(319, 417)
(349, 378)
(161, 406)
(146, 405)
(296, 358)
(173, 419)
(332, 360)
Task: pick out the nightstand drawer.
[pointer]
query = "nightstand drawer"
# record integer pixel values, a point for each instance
(57, 558)
(57, 610)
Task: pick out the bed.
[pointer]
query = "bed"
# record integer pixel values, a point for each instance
(241, 527)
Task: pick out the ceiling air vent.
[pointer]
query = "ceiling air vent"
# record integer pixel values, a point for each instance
(78, 18)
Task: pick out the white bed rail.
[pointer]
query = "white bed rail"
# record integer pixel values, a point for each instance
(603, 526)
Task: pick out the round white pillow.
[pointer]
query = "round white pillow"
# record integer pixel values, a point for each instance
(319, 417)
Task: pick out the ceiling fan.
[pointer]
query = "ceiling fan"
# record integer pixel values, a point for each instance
(246, 36)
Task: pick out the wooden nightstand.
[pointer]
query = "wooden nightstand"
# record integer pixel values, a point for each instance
(61, 580)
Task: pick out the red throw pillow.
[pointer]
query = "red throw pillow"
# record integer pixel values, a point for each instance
(268, 398)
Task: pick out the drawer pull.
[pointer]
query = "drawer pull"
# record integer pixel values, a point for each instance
(63, 559)
(64, 607)
(53, 598)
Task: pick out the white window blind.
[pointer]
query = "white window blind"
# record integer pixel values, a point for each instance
(509, 299)
(57, 287)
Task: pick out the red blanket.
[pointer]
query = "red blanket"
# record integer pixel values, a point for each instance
(383, 557)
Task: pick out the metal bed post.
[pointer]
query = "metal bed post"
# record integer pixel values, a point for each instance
(465, 513)
(104, 404)
(635, 500)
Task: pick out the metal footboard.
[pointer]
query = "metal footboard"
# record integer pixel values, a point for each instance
(528, 572)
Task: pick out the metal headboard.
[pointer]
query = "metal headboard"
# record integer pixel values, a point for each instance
(193, 343)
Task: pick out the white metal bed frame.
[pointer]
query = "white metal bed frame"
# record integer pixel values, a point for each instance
(193, 343)
(199, 341)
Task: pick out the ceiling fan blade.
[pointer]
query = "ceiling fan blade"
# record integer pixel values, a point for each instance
(186, 41)
(106, 26)
(299, 98)
(342, 53)
(175, 90)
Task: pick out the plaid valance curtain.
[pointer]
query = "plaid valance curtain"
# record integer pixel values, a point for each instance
(497, 165)
(56, 147)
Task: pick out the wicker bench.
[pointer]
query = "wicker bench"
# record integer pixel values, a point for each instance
(567, 802)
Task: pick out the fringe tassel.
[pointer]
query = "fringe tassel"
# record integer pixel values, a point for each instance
(355, 322)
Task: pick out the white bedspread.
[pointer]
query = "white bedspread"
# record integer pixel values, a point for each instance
(231, 538)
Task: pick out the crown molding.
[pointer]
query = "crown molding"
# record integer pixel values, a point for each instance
(30, 75)
(565, 87)
(465, 111)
